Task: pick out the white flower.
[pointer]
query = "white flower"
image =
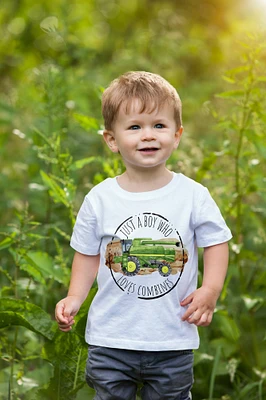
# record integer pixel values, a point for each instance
(18, 133)
(36, 186)
(70, 104)
(236, 248)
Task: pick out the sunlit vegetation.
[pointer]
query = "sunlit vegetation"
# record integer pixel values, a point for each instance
(56, 58)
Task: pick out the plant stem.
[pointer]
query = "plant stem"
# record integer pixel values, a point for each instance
(260, 389)
(77, 369)
(214, 370)
(59, 383)
(245, 120)
(14, 345)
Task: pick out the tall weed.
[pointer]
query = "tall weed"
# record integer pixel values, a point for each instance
(38, 361)
(237, 173)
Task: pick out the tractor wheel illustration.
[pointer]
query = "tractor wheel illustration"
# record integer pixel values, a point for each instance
(132, 266)
(164, 269)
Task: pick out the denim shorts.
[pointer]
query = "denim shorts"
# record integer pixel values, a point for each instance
(117, 374)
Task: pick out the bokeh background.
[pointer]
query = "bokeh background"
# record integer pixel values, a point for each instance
(56, 58)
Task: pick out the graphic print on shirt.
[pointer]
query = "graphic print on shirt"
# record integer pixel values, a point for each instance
(146, 256)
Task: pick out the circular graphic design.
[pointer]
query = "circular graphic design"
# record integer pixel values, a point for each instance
(146, 256)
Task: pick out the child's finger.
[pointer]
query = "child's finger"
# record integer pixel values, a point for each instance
(65, 328)
(187, 300)
(188, 314)
(59, 312)
(66, 324)
(62, 315)
(205, 319)
(67, 312)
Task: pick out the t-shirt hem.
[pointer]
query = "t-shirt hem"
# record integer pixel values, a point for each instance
(214, 241)
(80, 249)
(144, 346)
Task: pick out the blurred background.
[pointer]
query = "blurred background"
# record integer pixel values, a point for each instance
(56, 58)
(62, 54)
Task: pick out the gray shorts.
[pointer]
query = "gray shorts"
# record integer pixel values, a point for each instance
(116, 374)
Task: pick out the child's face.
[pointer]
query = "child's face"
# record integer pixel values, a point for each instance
(144, 140)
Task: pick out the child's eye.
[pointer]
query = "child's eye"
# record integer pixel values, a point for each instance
(134, 127)
(159, 126)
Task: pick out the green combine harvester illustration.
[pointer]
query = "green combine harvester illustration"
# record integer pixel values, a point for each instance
(134, 255)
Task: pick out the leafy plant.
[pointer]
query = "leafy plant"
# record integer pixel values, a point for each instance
(54, 64)
(236, 359)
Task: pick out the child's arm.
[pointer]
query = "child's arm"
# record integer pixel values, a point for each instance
(84, 271)
(203, 301)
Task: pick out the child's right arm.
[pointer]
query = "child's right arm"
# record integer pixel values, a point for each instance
(84, 271)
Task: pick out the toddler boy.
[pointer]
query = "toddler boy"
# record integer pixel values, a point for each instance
(139, 234)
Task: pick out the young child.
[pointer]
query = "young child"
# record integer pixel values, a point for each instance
(139, 234)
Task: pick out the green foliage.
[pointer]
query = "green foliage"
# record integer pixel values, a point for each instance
(20, 312)
(55, 60)
(68, 356)
(239, 327)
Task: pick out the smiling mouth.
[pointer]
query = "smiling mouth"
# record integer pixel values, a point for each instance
(148, 149)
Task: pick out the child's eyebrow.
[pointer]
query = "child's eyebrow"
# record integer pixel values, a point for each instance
(162, 119)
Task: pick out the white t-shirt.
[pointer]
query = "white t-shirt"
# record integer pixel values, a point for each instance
(149, 262)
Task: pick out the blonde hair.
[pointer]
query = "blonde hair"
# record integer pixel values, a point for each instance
(150, 89)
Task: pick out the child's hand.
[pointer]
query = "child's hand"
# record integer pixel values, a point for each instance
(65, 311)
(201, 306)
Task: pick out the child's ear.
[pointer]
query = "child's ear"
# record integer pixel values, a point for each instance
(109, 138)
(178, 135)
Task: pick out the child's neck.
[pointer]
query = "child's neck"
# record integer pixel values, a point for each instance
(145, 181)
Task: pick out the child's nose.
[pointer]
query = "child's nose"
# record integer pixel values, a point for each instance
(148, 134)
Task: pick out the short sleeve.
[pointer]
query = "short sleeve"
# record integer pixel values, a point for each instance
(209, 225)
(84, 238)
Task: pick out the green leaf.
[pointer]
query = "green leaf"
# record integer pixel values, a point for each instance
(43, 267)
(32, 270)
(231, 94)
(68, 354)
(228, 347)
(63, 234)
(42, 135)
(247, 389)
(227, 326)
(228, 79)
(81, 163)
(8, 241)
(56, 192)
(49, 24)
(237, 70)
(32, 317)
(87, 123)
(261, 148)
(214, 371)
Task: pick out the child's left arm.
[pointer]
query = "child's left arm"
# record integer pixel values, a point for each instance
(202, 302)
